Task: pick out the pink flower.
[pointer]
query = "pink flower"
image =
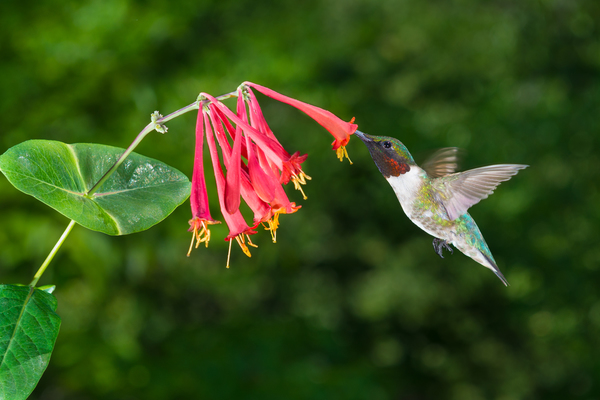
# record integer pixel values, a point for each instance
(260, 184)
(274, 154)
(238, 228)
(251, 165)
(291, 168)
(339, 129)
(199, 197)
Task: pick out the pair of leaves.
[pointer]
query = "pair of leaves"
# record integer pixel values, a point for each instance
(141, 192)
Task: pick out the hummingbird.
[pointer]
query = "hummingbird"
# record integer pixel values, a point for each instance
(436, 198)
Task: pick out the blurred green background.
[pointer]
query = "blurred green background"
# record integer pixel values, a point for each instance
(352, 302)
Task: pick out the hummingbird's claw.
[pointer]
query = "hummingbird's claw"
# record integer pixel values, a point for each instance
(439, 245)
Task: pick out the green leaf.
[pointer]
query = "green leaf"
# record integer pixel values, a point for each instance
(141, 193)
(28, 330)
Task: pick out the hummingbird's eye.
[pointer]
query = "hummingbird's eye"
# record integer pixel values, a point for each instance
(387, 144)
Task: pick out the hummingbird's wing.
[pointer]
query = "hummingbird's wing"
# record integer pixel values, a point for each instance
(462, 190)
(442, 162)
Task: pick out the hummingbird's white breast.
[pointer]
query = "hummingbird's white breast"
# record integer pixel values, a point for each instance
(408, 188)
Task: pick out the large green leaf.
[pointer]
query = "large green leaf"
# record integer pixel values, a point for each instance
(141, 193)
(28, 330)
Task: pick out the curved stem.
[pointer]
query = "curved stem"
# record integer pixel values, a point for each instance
(57, 246)
(149, 128)
(157, 124)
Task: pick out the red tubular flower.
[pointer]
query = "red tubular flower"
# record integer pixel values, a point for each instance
(238, 228)
(259, 186)
(273, 151)
(233, 183)
(257, 118)
(291, 169)
(199, 197)
(280, 204)
(341, 130)
(263, 184)
(260, 208)
(256, 164)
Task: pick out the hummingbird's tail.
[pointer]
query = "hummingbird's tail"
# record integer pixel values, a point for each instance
(496, 270)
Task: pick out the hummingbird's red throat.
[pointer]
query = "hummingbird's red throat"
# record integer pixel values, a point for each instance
(395, 168)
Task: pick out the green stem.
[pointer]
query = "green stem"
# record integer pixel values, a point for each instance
(57, 246)
(157, 124)
(149, 128)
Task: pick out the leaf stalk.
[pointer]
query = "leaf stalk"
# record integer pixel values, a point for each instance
(57, 246)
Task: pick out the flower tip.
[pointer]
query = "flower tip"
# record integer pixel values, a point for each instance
(200, 232)
(353, 125)
(340, 149)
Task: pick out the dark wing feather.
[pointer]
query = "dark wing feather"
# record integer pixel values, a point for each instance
(442, 162)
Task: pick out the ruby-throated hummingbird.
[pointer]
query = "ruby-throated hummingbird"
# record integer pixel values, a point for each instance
(436, 198)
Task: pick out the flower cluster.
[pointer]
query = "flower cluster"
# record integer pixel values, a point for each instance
(256, 164)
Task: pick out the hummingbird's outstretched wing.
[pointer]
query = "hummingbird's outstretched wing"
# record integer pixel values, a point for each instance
(443, 162)
(460, 191)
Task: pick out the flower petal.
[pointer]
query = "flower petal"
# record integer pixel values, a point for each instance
(235, 221)
(232, 184)
(260, 208)
(257, 119)
(199, 195)
(272, 148)
(341, 130)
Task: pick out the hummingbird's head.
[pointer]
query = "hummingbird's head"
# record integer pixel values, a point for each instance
(390, 155)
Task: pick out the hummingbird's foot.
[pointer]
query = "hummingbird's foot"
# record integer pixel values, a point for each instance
(439, 245)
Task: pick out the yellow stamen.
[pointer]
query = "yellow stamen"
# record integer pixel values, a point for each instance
(272, 225)
(300, 179)
(241, 239)
(250, 242)
(241, 242)
(341, 152)
(201, 235)
(191, 244)
(228, 255)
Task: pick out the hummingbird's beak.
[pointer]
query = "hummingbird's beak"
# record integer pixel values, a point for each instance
(363, 136)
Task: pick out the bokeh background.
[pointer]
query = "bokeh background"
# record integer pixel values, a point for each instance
(352, 302)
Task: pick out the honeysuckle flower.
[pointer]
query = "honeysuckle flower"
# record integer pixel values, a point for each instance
(263, 183)
(341, 130)
(201, 217)
(259, 186)
(274, 153)
(238, 228)
(251, 165)
(242, 181)
(291, 169)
